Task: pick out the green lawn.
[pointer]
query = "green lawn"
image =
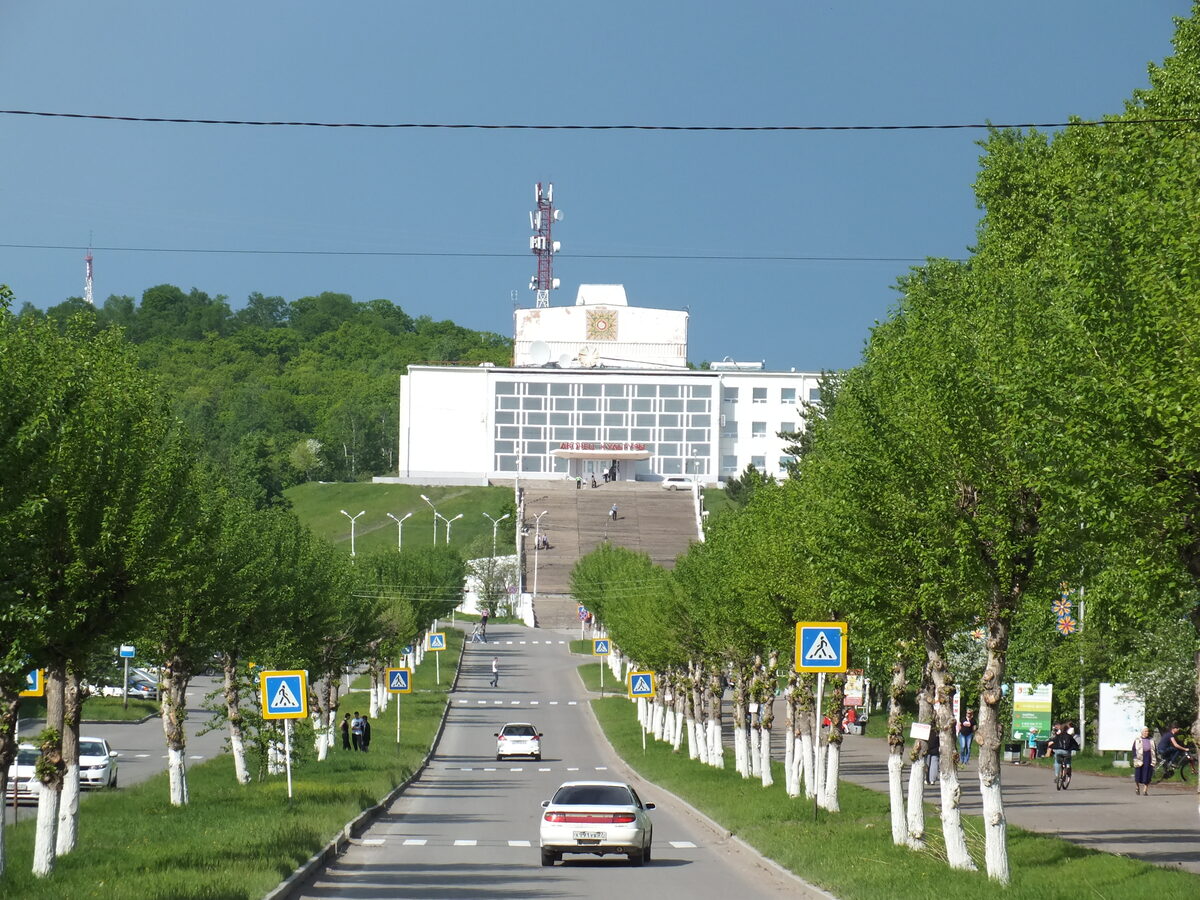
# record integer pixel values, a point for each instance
(231, 842)
(851, 853)
(96, 709)
(319, 506)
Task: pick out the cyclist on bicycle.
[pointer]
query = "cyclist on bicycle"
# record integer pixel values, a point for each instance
(1169, 746)
(1062, 744)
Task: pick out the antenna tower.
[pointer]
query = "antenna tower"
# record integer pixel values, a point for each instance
(87, 279)
(542, 244)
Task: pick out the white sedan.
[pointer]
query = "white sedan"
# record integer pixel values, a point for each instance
(596, 817)
(97, 769)
(519, 739)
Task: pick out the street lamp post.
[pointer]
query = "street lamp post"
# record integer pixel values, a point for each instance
(399, 530)
(495, 525)
(352, 521)
(537, 520)
(435, 517)
(448, 523)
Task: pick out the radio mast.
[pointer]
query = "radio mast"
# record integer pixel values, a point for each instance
(87, 279)
(542, 244)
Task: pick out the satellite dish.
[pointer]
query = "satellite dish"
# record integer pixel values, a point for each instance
(589, 357)
(539, 353)
(564, 361)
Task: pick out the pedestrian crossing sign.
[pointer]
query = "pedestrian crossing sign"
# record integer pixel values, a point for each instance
(600, 647)
(35, 684)
(641, 684)
(435, 640)
(284, 694)
(821, 647)
(399, 681)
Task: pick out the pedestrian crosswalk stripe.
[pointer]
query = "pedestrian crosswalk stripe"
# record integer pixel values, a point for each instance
(572, 768)
(489, 770)
(601, 768)
(571, 703)
(414, 842)
(468, 769)
(554, 703)
(196, 757)
(143, 756)
(514, 702)
(533, 702)
(543, 770)
(682, 845)
(373, 842)
(465, 843)
(519, 844)
(518, 769)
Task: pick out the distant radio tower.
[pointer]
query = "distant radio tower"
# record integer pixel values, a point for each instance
(542, 244)
(87, 280)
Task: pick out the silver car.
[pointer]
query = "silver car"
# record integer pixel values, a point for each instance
(97, 763)
(596, 817)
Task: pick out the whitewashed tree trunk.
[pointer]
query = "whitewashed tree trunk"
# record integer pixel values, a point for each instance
(895, 767)
(995, 825)
(739, 747)
(174, 712)
(833, 761)
(660, 721)
(808, 764)
(943, 720)
(233, 714)
(791, 785)
(754, 732)
(68, 811)
(716, 744)
(373, 695)
(44, 853)
(177, 774)
(320, 745)
(896, 746)
(68, 803)
(916, 805)
(764, 764)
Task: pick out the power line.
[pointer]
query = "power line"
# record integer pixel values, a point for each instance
(615, 127)
(475, 255)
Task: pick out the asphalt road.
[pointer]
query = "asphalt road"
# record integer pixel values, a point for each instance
(468, 827)
(142, 746)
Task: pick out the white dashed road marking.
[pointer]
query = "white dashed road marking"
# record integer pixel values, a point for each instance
(519, 844)
(414, 842)
(682, 845)
(464, 843)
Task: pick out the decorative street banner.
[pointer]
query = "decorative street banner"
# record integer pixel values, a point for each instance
(1122, 716)
(1031, 711)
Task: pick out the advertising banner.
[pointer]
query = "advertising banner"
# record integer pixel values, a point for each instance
(1122, 716)
(1031, 711)
(855, 688)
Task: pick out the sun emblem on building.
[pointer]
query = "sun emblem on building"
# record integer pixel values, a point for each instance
(601, 324)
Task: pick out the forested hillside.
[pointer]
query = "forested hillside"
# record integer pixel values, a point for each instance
(281, 393)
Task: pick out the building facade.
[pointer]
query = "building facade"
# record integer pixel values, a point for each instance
(603, 389)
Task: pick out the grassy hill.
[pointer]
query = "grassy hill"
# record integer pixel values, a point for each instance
(318, 506)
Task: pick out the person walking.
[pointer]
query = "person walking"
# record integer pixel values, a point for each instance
(1145, 758)
(612, 513)
(365, 740)
(966, 737)
(356, 731)
(495, 672)
(933, 756)
(346, 731)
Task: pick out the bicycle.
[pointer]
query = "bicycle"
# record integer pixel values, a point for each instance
(1062, 780)
(1184, 763)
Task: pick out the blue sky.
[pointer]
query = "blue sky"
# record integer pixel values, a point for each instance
(189, 188)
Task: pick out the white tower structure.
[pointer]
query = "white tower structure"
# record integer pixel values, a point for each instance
(542, 243)
(87, 279)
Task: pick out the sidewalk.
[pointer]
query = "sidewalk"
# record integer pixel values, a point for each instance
(1098, 811)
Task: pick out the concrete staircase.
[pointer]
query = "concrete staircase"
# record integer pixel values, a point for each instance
(649, 519)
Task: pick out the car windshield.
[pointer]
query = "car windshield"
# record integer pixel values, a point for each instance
(519, 731)
(92, 748)
(26, 757)
(593, 795)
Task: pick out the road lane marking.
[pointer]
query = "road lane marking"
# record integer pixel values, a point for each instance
(572, 702)
(519, 844)
(601, 768)
(372, 842)
(492, 769)
(533, 702)
(414, 842)
(463, 842)
(682, 845)
(543, 770)
(517, 769)
(143, 756)
(572, 768)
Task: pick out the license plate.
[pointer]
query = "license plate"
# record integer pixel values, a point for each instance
(589, 835)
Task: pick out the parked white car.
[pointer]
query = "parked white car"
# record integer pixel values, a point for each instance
(677, 483)
(97, 769)
(596, 817)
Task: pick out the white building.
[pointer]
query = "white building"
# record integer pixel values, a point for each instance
(597, 386)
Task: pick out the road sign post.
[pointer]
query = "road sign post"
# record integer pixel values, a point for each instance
(641, 687)
(127, 653)
(820, 648)
(601, 647)
(436, 641)
(399, 681)
(284, 695)
(35, 684)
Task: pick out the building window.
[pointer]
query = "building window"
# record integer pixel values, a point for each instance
(505, 387)
(560, 389)
(531, 464)
(646, 390)
(758, 429)
(642, 404)
(537, 387)
(787, 427)
(505, 418)
(672, 466)
(729, 394)
(785, 462)
(668, 390)
(668, 449)
(640, 434)
(590, 390)
(672, 434)
(702, 390)
(510, 403)
(614, 390)
(618, 404)
(787, 395)
(760, 395)
(697, 434)
(506, 464)
(697, 406)
(532, 403)
(759, 462)
(729, 464)
(814, 395)
(560, 418)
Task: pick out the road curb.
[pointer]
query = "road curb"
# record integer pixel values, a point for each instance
(294, 884)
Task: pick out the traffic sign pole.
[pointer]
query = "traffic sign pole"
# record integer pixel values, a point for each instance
(287, 754)
(125, 692)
